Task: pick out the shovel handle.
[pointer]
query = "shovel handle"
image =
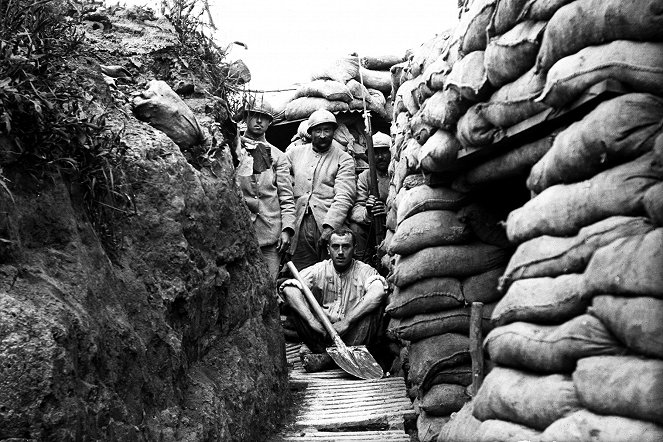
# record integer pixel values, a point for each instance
(314, 305)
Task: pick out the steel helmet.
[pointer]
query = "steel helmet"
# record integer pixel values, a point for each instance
(381, 140)
(259, 106)
(319, 117)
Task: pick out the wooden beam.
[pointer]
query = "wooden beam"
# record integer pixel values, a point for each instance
(476, 347)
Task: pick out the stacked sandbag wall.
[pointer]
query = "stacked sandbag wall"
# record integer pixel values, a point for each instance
(578, 340)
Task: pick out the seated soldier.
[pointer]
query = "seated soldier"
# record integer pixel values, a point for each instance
(351, 293)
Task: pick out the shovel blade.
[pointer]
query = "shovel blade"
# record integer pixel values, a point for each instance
(357, 361)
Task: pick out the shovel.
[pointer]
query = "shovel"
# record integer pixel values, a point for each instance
(355, 360)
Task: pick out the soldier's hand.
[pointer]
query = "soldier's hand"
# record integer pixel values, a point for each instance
(325, 236)
(284, 242)
(370, 202)
(378, 209)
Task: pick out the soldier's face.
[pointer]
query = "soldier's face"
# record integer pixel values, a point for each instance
(341, 250)
(322, 136)
(257, 124)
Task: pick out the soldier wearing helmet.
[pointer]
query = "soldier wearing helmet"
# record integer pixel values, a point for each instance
(324, 189)
(263, 176)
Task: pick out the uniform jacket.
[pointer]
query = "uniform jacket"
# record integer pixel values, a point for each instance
(324, 182)
(269, 196)
(359, 212)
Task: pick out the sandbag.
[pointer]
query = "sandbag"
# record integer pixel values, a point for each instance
(550, 349)
(639, 66)
(543, 300)
(429, 426)
(516, 101)
(404, 99)
(428, 229)
(342, 69)
(485, 225)
(380, 80)
(398, 76)
(458, 374)
(422, 92)
(164, 110)
(412, 181)
(421, 130)
(635, 321)
(473, 130)
(526, 399)
(390, 221)
(509, 56)
(452, 260)
(427, 295)
(482, 287)
(495, 430)
(377, 103)
(653, 202)
(443, 109)
(616, 131)
(358, 90)
(513, 163)
(436, 73)
(468, 77)
(510, 12)
(628, 266)
(439, 152)
(473, 24)
(444, 399)
(431, 355)
(381, 62)
(425, 325)
(424, 198)
(621, 385)
(583, 425)
(328, 89)
(554, 255)
(462, 426)
(303, 107)
(407, 164)
(427, 53)
(563, 209)
(585, 23)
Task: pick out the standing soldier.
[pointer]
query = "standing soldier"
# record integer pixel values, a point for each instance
(324, 189)
(263, 176)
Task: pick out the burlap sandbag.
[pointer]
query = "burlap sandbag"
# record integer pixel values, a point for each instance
(471, 31)
(423, 198)
(635, 321)
(390, 222)
(398, 76)
(342, 69)
(422, 92)
(429, 426)
(543, 300)
(583, 426)
(553, 255)
(427, 53)
(485, 224)
(303, 107)
(452, 260)
(653, 202)
(434, 354)
(616, 131)
(510, 12)
(515, 102)
(328, 89)
(164, 110)
(428, 229)
(510, 55)
(628, 266)
(495, 430)
(526, 399)
(550, 348)
(380, 62)
(427, 295)
(458, 374)
(514, 163)
(468, 77)
(380, 80)
(444, 399)
(421, 130)
(439, 152)
(482, 287)
(473, 130)
(639, 66)
(462, 426)
(436, 73)
(443, 109)
(407, 164)
(424, 325)
(563, 209)
(585, 23)
(621, 385)
(404, 99)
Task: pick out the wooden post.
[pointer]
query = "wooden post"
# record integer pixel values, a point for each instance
(476, 346)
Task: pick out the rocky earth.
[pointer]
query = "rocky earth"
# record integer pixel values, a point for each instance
(169, 330)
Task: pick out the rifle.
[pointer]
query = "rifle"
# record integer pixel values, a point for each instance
(378, 221)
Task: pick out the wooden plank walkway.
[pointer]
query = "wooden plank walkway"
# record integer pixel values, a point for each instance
(335, 406)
